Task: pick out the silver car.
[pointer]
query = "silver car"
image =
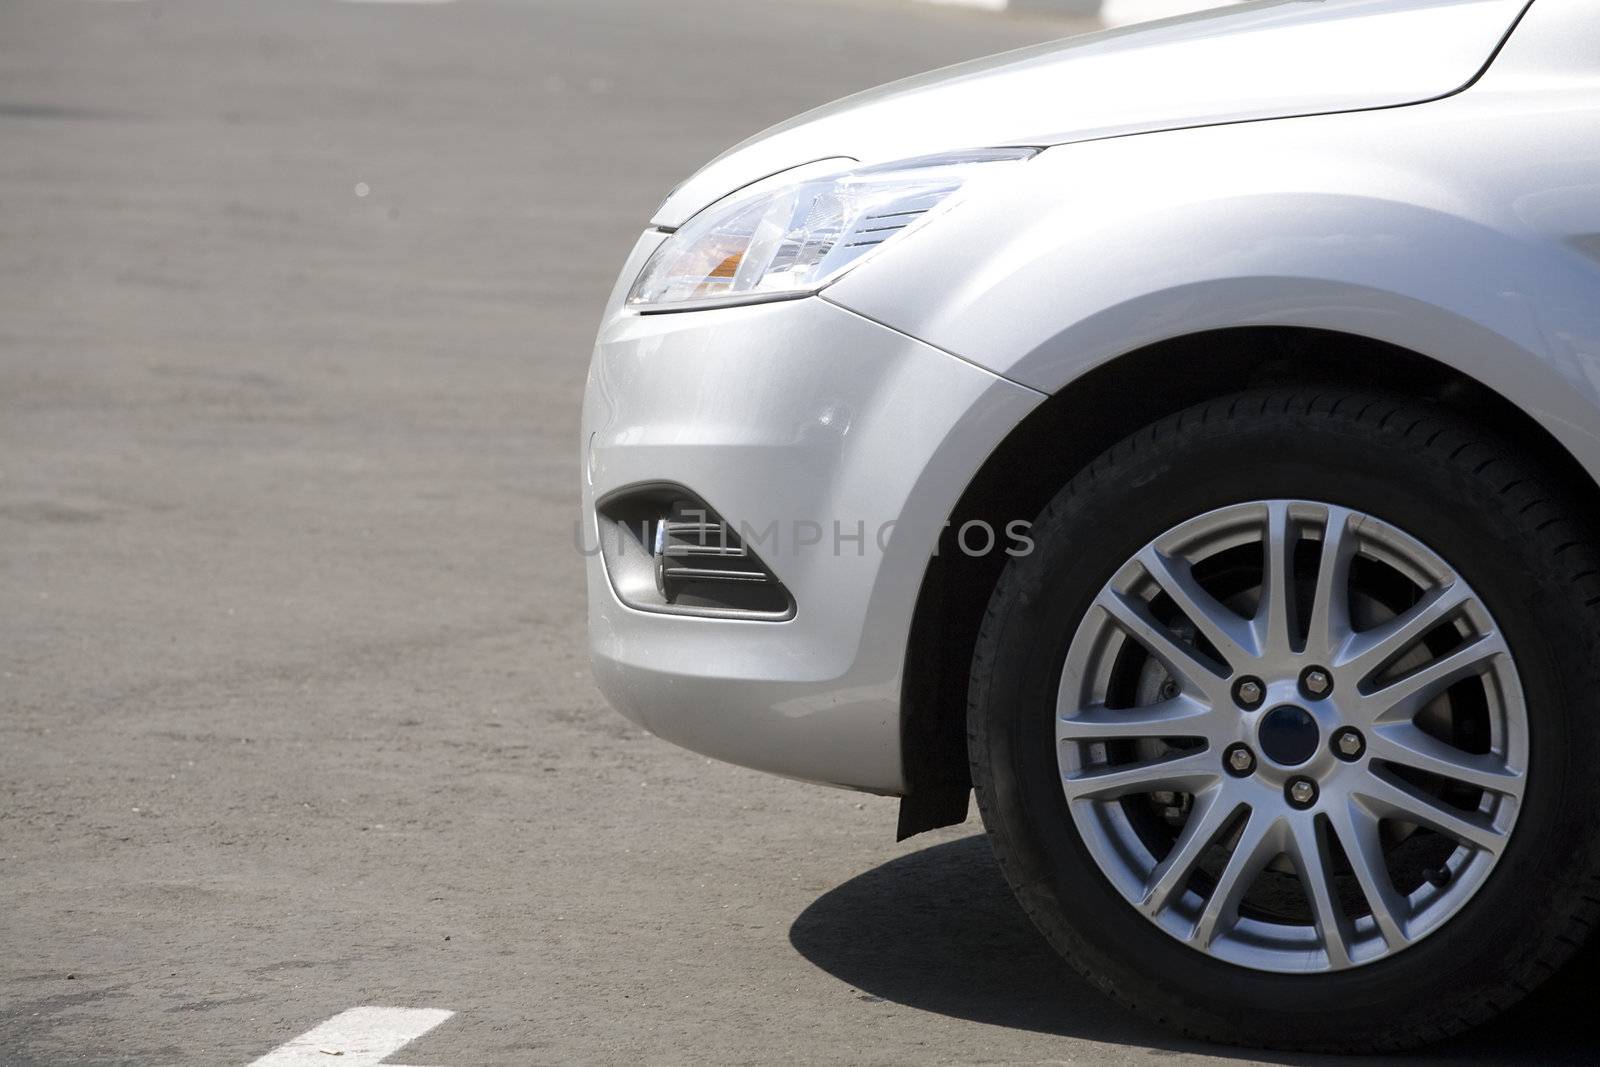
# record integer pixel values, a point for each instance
(1186, 439)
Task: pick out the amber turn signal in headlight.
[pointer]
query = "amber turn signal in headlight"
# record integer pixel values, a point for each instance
(795, 239)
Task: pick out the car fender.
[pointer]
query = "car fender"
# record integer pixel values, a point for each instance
(1452, 229)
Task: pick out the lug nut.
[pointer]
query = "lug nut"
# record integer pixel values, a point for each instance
(1348, 744)
(1316, 682)
(1241, 760)
(1248, 693)
(1302, 792)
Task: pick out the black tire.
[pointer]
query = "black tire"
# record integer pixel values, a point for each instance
(1479, 505)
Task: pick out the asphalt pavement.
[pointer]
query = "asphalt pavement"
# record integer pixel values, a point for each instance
(296, 300)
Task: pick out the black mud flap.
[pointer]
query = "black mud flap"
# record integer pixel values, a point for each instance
(929, 809)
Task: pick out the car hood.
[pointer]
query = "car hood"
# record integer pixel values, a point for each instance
(1270, 59)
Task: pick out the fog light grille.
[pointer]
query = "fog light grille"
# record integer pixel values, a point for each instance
(667, 551)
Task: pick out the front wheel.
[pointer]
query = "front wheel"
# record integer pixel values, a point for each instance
(1284, 732)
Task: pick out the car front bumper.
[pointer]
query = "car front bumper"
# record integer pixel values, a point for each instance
(857, 442)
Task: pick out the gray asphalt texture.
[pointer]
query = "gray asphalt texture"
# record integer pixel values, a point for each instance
(295, 304)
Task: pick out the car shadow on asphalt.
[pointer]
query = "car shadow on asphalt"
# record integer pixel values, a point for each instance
(938, 930)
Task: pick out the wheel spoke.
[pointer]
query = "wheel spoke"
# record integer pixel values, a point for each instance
(1401, 699)
(1182, 716)
(1395, 800)
(1357, 831)
(1367, 652)
(1312, 862)
(1260, 840)
(1408, 746)
(1227, 630)
(1212, 810)
(1182, 662)
(1274, 621)
(1330, 625)
(1187, 772)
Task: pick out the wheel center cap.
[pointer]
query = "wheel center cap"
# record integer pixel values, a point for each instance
(1288, 735)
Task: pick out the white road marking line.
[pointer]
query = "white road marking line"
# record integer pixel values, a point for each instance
(360, 1037)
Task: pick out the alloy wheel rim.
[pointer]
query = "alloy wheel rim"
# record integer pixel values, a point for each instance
(1187, 698)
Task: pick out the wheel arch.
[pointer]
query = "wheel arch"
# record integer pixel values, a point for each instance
(1083, 419)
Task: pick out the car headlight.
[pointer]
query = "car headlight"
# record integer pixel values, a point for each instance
(793, 240)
